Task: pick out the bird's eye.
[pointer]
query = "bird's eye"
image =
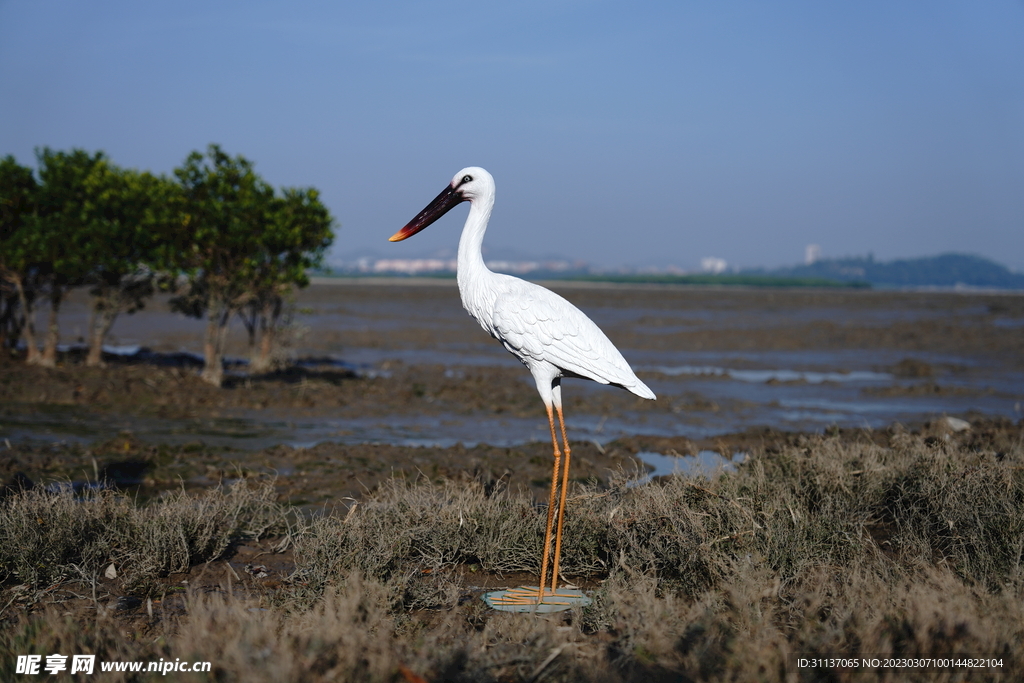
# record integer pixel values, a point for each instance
(467, 178)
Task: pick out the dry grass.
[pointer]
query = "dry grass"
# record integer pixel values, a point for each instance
(47, 537)
(825, 547)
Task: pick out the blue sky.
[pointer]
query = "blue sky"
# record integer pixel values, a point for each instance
(621, 134)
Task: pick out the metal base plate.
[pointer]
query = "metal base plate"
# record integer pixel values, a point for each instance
(524, 599)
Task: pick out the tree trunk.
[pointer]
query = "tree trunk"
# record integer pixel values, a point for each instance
(29, 310)
(250, 318)
(268, 318)
(100, 322)
(213, 343)
(49, 357)
(265, 361)
(9, 327)
(91, 324)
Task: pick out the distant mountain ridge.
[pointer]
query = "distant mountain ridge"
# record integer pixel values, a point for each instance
(944, 270)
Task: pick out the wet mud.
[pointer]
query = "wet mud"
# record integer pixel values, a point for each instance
(376, 354)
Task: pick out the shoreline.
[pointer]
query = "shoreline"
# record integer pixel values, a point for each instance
(450, 281)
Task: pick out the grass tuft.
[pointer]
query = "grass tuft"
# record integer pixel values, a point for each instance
(49, 536)
(821, 548)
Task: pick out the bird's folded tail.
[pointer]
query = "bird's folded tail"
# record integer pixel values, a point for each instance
(641, 390)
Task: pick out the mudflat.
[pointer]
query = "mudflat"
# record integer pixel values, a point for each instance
(342, 517)
(394, 378)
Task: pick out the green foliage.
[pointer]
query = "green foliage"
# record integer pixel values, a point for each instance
(89, 222)
(85, 219)
(296, 239)
(70, 213)
(225, 207)
(92, 223)
(133, 222)
(238, 236)
(128, 243)
(240, 243)
(19, 194)
(18, 189)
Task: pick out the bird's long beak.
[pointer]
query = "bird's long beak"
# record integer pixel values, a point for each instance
(442, 204)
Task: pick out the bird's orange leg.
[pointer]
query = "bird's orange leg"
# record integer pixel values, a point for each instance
(561, 502)
(551, 509)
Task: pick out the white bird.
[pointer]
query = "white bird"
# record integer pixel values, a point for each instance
(549, 335)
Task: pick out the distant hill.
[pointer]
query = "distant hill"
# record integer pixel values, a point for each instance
(945, 270)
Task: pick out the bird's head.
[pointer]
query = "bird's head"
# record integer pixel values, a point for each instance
(470, 184)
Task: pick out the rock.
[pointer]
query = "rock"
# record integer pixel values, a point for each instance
(127, 602)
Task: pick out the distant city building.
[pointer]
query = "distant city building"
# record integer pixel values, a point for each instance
(945, 270)
(411, 266)
(713, 264)
(812, 254)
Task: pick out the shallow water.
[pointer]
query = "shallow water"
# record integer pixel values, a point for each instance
(721, 361)
(706, 463)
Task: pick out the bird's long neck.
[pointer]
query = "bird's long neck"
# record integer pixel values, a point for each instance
(476, 281)
(471, 267)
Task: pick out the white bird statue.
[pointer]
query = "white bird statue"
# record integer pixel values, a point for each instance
(549, 335)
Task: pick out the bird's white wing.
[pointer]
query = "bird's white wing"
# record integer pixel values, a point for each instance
(536, 324)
